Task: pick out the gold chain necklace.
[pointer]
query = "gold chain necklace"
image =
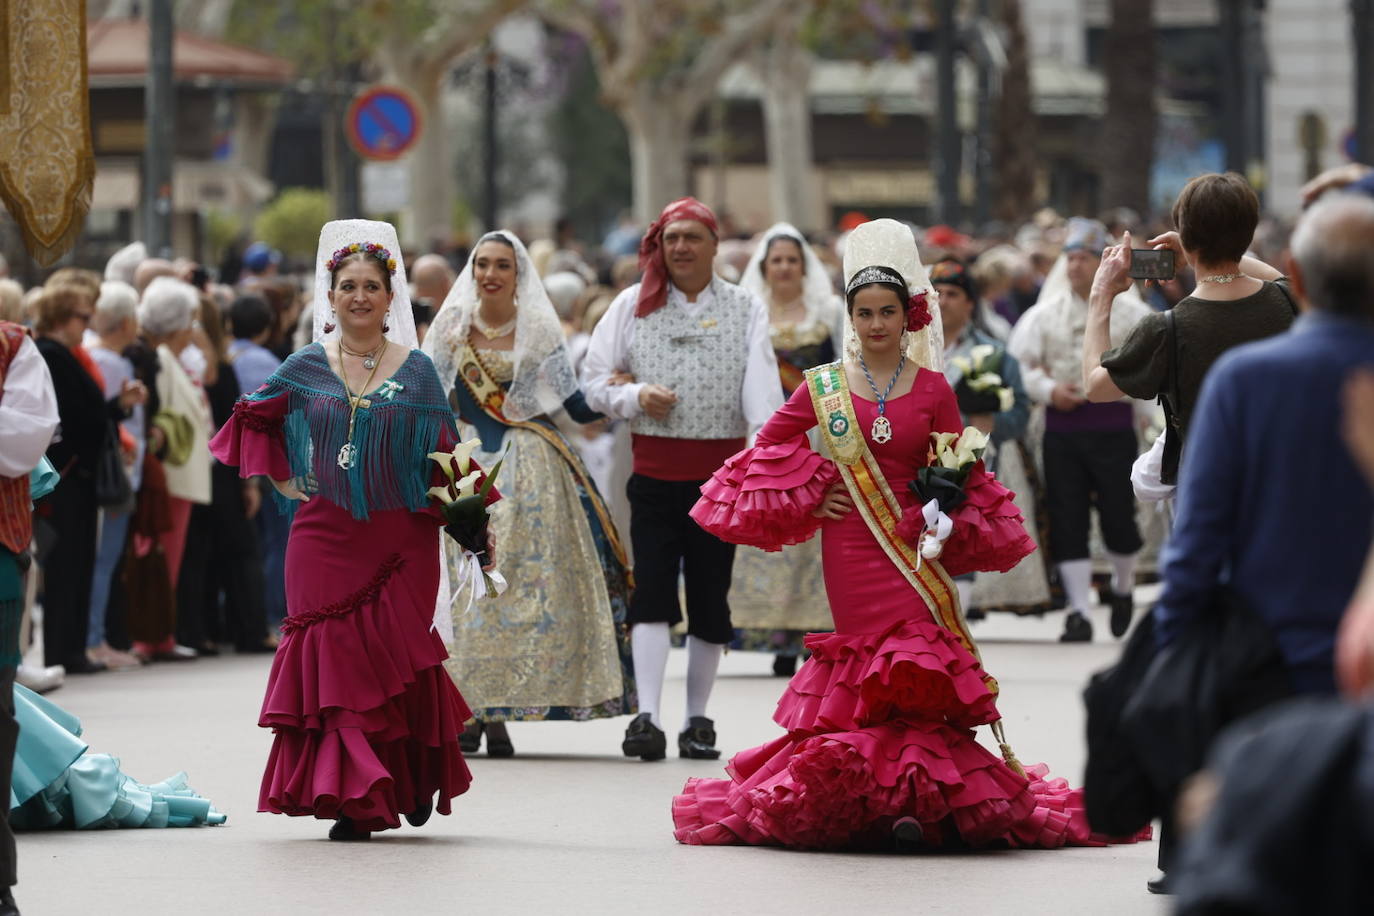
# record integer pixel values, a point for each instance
(348, 454)
(370, 358)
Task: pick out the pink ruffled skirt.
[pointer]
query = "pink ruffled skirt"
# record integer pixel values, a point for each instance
(880, 727)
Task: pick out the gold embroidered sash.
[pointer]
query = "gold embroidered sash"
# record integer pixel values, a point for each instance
(877, 503)
(491, 398)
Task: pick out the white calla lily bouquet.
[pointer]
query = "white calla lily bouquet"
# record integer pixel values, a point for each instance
(463, 504)
(981, 388)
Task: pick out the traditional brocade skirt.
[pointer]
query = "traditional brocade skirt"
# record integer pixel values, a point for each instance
(554, 645)
(365, 720)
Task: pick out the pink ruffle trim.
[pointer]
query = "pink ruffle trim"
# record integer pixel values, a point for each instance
(915, 669)
(252, 440)
(989, 534)
(847, 789)
(365, 719)
(764, 496)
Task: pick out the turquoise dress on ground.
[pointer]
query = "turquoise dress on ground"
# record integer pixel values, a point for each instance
(56, 784)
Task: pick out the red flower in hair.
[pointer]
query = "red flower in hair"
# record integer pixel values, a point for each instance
(917, 312)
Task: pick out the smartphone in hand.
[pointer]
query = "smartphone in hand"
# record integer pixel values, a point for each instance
(1149, 264)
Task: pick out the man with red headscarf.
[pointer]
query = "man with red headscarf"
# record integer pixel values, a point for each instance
(703, 378)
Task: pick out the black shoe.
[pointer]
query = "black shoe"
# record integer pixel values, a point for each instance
(698, 742)
(1160, 884)
(1077, 628)
(644, 739)
(344, 831)
(498, 741)
(80, 664)
(7, 905)
(784, 665)
(421, 814)
(1123, 607)
(471, 738)
(907, 835)
(973, 615)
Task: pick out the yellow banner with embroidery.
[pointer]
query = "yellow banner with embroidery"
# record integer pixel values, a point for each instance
(491, 397)
(878, 505)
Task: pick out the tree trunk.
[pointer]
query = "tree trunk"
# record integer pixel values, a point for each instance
(1013, 143)
(1128, 127)
(430, 214)
(660, 132)
(786, 73)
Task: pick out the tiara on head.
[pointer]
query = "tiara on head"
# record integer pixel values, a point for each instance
(370, 249)
(874, 275)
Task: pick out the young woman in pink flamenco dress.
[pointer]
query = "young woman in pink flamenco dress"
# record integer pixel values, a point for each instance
(880, 747)
(365, 720)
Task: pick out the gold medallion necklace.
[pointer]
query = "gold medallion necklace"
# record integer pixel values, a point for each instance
(348, 454)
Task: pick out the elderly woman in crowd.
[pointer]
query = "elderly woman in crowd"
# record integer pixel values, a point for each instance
(62, 314)
(182, 423)
(113, 328)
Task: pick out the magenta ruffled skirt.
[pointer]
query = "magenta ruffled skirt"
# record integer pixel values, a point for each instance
(880, 727)
(364, 716)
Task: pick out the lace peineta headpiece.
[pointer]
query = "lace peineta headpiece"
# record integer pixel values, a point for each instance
(886, 250)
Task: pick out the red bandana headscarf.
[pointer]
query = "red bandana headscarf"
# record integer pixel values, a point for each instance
(653, 287)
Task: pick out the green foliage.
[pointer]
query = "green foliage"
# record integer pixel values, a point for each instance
(292, 222)
(221, 229)
(317, 35)
(592, 145)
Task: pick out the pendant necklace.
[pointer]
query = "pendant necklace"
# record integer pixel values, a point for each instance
(348, 454)
(881, 431)
(369, 359)
(488, 331)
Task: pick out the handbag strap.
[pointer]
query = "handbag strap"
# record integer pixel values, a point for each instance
(1170, 399)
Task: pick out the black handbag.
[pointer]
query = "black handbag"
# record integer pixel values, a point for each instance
(1154, 714)
(113, 491)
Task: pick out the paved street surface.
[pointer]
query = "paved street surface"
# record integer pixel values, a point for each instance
(567, 826)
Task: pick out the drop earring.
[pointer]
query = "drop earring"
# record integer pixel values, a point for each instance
(329, 325)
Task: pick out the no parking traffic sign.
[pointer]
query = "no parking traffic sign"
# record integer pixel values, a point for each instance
(383, 123)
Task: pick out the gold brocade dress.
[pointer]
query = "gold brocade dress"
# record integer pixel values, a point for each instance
(553, 646)
(777, 598)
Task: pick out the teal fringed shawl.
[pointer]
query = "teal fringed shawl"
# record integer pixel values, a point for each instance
(392, 436)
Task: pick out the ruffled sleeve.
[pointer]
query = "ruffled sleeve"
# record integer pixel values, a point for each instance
(989, 534)
(764, 496)
(253, 440)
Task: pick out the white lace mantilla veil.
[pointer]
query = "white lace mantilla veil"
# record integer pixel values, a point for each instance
(818, 295)
(888, 243)
(335, 235)
(544, 377)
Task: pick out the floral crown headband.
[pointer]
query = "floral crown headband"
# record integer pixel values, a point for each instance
(917, 306)
(370, 249)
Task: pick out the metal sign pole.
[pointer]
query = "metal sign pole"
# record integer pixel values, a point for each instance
(160, 125)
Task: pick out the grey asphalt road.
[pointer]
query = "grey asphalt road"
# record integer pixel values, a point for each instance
(567, 826)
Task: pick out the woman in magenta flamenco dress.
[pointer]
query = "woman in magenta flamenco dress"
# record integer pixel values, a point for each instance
(365, 720)
(880, 747)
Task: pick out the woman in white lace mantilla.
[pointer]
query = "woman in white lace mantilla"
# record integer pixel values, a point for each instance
(553, 646)
(776, 598)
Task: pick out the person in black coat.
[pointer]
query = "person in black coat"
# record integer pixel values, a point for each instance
(62, 315)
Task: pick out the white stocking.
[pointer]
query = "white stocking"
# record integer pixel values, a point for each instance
(1077, 579)
(703, 660)
(1123, 572)
(965, 589)
(649, 644)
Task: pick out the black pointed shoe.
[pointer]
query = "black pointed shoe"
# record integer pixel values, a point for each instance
(420, 815)
(907, 835)
(345, 831)
(644, 739)
(1077, 628)
(698, 742)
(1123, 608)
